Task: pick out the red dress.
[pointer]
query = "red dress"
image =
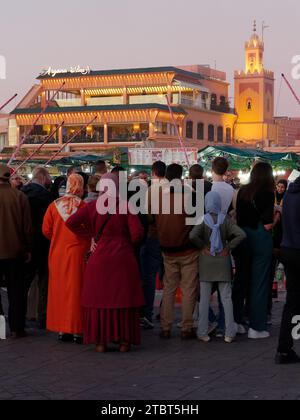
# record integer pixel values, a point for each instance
(112, 292)
(66, 270)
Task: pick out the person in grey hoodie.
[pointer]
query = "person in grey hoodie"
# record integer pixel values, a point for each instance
(290, 256)
(216, 237)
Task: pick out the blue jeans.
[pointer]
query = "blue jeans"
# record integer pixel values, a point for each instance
(220, 319)
(151, 260)
(225, 296)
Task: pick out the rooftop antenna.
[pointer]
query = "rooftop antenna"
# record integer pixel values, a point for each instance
(264, 27)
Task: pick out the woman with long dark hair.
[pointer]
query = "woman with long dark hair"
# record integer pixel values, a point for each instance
(255, 214)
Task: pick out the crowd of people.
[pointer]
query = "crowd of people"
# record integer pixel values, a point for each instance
(97, 273)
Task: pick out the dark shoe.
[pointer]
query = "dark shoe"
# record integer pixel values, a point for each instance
(146, 324)
(65, 338)
(165, 335)
(287, 358)
(188, 335)
(78, 339)
(18, 335)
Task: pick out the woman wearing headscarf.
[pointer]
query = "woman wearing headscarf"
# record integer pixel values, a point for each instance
(112, 293)
(217, 236)
(66, 263)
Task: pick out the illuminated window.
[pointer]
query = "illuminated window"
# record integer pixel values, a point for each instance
(189, 129)
(128, 132)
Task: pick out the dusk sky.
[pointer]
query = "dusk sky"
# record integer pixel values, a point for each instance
(108, 34)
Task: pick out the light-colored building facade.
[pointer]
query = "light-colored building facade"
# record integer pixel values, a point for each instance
(130, 106)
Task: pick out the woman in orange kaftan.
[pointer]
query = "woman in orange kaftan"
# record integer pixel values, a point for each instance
(66, 262)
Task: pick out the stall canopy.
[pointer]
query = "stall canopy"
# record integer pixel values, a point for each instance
(243, 158)
(117, 157)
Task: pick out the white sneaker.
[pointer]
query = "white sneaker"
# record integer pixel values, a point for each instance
(205, 339)
(229, 340)
(258, 335)
(241, 330)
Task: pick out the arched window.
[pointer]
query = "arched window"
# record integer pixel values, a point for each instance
(228, 135)
(220, 134)
(189, 129)
(222, 100)
(211, 133)
(200, 131)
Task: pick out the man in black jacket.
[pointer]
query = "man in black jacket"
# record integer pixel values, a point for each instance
(39, 199)
(290, 253)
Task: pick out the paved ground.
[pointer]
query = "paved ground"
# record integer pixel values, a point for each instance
(39, 367)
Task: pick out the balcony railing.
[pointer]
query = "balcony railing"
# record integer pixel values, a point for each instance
(206, 106)
(191, 103)
(225, 108)
(83, 139)
(39, 139)
(129, 137)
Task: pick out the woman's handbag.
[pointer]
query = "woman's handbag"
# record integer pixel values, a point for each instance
(98, 237)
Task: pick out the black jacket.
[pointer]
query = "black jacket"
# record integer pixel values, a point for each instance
(291, 217)
(39, 200)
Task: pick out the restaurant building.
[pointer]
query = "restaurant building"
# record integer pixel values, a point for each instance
(132, 110)
(130, 106)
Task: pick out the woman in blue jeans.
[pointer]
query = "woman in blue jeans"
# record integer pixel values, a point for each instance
(255, 215)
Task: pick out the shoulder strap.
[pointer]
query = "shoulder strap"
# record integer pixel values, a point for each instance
(101, 230)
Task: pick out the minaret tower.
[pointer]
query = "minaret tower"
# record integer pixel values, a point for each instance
(254, 54)
(254, 95)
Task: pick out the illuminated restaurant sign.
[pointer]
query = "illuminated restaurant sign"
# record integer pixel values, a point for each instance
(50, 71)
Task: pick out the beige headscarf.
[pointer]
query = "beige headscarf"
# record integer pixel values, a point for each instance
(69, 204)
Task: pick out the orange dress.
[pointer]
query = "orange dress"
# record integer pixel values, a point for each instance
(66, 270)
